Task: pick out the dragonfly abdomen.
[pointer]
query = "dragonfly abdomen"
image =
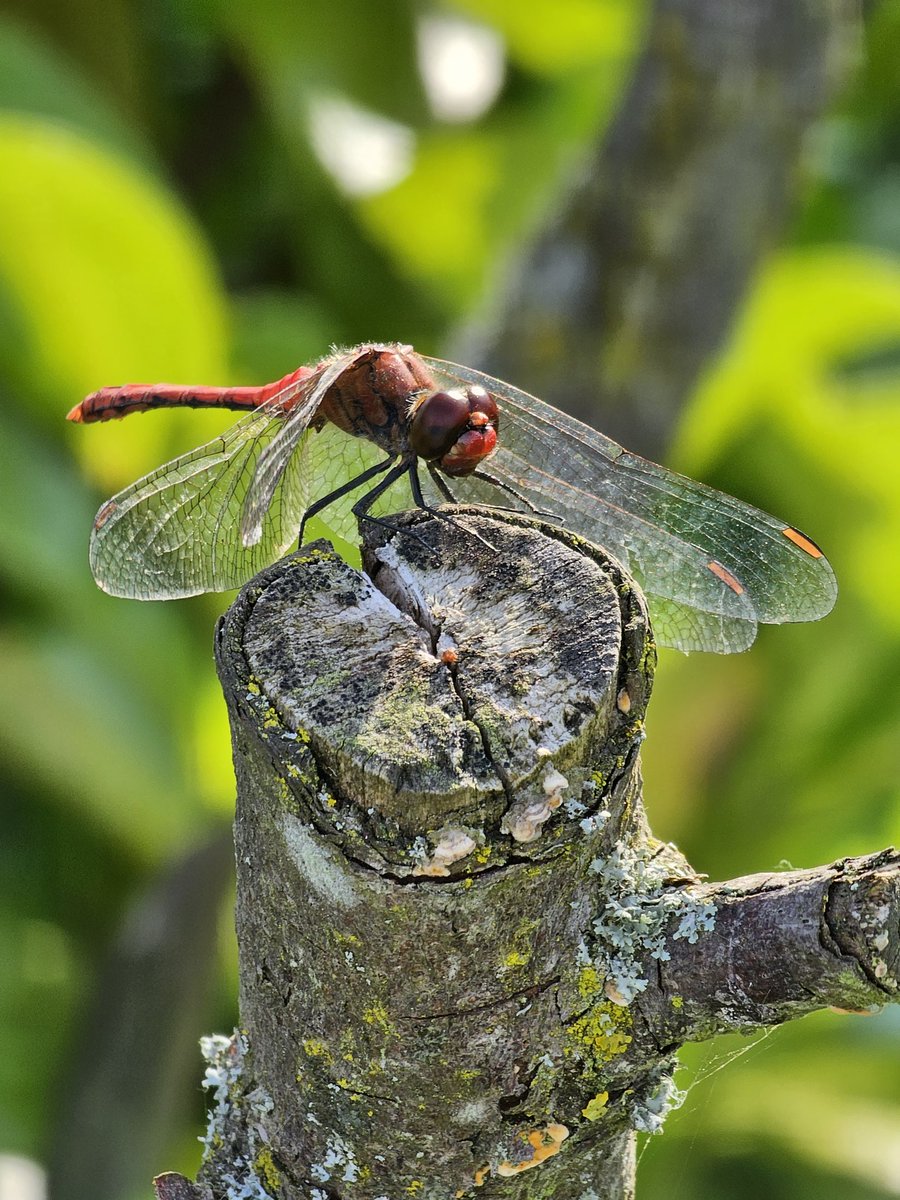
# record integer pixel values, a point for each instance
(110, 403)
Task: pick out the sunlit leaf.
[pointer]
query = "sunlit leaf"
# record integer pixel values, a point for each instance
(110, 278)
(69, 724)
(560, 35)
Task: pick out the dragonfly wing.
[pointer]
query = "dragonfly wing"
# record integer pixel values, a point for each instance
(331, 458)
(277, 454)
(176, 532)
(711, 566)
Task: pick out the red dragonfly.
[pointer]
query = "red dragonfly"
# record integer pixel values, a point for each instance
(711, 566)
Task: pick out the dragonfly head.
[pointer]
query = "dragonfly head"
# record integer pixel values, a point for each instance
(457, 429)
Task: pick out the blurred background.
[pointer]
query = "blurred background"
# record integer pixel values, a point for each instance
(680, 222)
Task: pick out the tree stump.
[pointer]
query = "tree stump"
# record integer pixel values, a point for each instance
(465, 962)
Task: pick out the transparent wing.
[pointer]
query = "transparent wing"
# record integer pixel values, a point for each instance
(711, 566)
(276, 455)
(177, 531)
(332, 457)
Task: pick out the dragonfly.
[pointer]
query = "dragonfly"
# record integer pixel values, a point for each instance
(711, 567)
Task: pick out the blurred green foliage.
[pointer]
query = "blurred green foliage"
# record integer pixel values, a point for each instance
(166, 212)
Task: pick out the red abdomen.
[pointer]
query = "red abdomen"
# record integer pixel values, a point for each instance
(110, 403)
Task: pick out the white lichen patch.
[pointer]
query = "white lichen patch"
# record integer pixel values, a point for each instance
(224, 1057)
(319, 865)
(648, 1115)
(637, 911)
(337, 1163)
(452, 844)
(225, 1061)
(595, 822)
(473, 1113)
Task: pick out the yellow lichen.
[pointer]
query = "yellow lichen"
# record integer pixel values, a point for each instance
(589, 983)
(602, 1031)
(271, 719)
(596, 1106)
(268, 1173)
(345, 939)
(377, 1015)
(314, 1048)
(520, 954)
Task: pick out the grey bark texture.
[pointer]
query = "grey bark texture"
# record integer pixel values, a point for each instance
(466, 965)
(632, 285)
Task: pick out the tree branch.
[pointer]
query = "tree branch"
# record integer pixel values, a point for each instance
(784, 945)
(466, 964)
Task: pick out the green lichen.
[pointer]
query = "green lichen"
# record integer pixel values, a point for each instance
(519, 955)
(677, 1002)
(402, 716)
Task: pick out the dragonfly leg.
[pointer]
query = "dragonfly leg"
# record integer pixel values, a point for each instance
(505, 487)
(436, 512)
(361, 508)
(350, 486)
(441, 484)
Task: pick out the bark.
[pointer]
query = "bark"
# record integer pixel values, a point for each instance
(626, 294)
(466, 964)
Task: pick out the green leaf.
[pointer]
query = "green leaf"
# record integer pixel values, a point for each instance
(110, 281)
(557, 36)
(296, 49)
(37, 79)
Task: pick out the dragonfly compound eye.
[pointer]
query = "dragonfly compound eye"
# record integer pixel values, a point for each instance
(438, 422)
(458, 428)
